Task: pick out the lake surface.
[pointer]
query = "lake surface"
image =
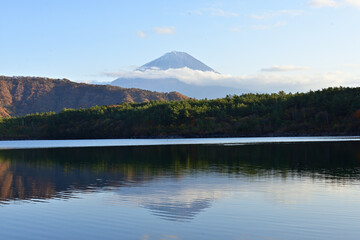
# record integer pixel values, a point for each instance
(270, 189)
(22, 144)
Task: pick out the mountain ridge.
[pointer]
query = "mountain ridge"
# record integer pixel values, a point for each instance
(25, 95)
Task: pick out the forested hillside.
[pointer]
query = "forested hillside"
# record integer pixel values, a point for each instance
(23, 95)
(333, 111)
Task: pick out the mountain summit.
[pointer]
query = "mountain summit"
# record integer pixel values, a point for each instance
(175, 60)
(169, 82)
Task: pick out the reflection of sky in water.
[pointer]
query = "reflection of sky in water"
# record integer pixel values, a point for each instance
(173, 199)
(233, 192)
(183, 199)
(198, 207)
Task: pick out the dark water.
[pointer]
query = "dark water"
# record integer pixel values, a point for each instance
(263, 191)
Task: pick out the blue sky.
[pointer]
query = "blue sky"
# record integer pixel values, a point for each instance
(84, 40)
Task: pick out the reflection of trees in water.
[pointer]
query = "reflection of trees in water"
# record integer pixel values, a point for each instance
(14, 186)
(6, 179)
(47, 173)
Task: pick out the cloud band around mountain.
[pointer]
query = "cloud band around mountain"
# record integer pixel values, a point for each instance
(270, 81)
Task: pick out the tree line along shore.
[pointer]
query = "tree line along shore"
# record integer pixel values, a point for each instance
(331, 111)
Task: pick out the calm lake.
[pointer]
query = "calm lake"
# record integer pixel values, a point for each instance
(241, 189)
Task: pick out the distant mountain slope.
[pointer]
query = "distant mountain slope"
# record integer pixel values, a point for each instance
(24, 95)
(176, 60)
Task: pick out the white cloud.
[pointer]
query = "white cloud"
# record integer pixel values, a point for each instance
(356, 66)
(257, 27)
(271, 14)
(323, 3)
(214, 12)
(260, 82)
(268, 26)
(284, 68)
(165, 30)
(334, 4)
(236, 29)
(221, 13)
(354, 3)
(141, 34)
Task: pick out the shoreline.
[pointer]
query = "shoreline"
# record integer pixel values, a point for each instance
(191, 136)
(78, 143)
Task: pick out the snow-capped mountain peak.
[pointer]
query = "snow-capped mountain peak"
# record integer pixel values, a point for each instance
(175, 60)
